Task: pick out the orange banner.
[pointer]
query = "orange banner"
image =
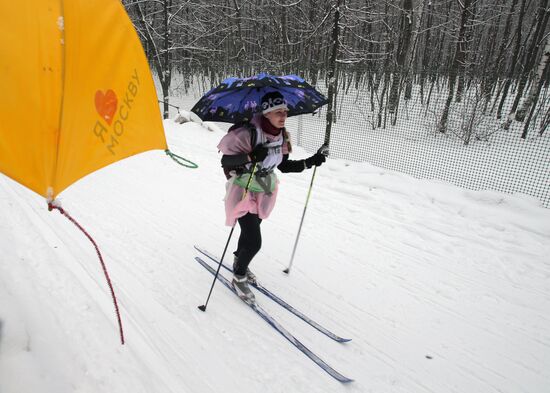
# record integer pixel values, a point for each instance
(77, 91)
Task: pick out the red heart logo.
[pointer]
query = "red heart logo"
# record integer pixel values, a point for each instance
(106, 104)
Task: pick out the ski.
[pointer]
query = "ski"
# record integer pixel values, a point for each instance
(281, 302)
(278, 327)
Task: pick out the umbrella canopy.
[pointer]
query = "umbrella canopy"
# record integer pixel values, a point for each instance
(237, 99)
(77, 92)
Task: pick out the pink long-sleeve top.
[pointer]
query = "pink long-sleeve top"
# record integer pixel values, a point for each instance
(238, 142)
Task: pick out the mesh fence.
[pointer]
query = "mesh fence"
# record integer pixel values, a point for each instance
(450, 90)
(476, 151)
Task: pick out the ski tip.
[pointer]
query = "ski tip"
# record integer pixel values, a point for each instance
(202, 308)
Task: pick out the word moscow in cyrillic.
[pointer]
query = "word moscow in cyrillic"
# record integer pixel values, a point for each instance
(110, 137)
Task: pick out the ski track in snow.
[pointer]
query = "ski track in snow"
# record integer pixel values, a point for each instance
(441, 289)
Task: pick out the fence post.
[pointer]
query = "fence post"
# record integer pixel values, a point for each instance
(332, 72)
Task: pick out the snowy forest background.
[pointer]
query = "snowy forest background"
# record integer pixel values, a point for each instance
(456, 90)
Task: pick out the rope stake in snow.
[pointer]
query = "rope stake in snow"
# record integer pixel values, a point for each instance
(51, 206)
(173, 106)
(177, 158)
(180, 160)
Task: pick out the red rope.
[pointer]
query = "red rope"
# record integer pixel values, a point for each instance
(51, 206)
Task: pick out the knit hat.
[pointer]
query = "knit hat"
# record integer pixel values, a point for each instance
(273, 101)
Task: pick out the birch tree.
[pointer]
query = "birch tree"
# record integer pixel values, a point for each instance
(536, 86)
(543, 13)
(514, 60)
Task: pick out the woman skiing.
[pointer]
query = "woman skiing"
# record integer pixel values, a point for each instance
(256, 149)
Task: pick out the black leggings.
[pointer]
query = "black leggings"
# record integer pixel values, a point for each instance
(250, 241)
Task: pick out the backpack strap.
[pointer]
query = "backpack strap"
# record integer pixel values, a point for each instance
(250, 127)
(253, 134)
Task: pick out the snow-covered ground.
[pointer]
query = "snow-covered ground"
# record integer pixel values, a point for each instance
(442, 289)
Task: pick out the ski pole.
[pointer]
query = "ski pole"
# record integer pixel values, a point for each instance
(203, 307)
(324, 151)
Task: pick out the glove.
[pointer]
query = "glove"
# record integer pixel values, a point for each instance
(258, 154)
(317, 159)
(323, 150)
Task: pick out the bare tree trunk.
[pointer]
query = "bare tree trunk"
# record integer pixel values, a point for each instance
(532, 97)
(411, 55)
(497, 70)
(384, 76)
(490, 74)
(161, 64)
(166, 76)
(427, 51)
(514, 60)
(333, 70)
(545, 123)
(465, 37)
(458, 62)
(542, 19)
(239, 46)
(402, 51)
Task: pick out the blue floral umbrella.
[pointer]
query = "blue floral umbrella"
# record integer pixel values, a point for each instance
(237, 99)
